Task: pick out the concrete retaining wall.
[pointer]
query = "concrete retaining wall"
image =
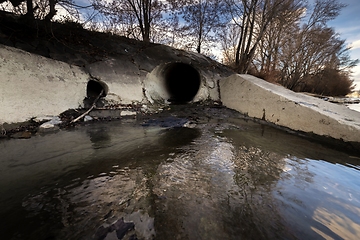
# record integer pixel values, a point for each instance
(122, 78)
(31, 86)
(260, 99)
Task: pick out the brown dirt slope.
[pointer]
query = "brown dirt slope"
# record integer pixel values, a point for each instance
(71, 43)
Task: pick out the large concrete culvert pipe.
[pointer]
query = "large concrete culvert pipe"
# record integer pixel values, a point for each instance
(182, 82)
(175, 83)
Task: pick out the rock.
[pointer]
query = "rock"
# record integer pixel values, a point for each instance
(50, 125)
(144, 108)
(22, 135)
(189, 124)
(144, 225)
(55, 120)
(105, 113)
(88, 118)
(42, 118)
(120, 228)
(127, 113)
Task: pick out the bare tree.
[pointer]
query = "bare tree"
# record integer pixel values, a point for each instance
(138, 16)
(288, 42)
(18, 7)
(253, 18)
(199, 22)
(313, 48)
(229, 40)
(266, 60)
(45, 9)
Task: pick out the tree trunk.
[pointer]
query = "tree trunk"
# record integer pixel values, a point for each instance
(30, 9)
(52, 11)
(198, 48)
(237, 54)
(147, 15)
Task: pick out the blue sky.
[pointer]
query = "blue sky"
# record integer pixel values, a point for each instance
(347, 24)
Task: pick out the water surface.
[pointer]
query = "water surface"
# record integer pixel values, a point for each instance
(355, 107)
(219, 177)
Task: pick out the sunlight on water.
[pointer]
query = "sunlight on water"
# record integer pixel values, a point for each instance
(325, 194)
(355, 107)
(227, 178)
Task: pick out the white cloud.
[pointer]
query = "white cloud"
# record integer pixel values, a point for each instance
(347, 29)
(356, 77)
(354, 45)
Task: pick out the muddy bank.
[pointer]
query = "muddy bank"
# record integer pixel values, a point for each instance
(182, 115)
(65, 120)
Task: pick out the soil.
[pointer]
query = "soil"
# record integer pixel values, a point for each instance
(67, 42)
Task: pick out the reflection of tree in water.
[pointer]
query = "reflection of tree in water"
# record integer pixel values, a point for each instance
(253, 209)
(257, 167)
(80, 210)
(303, 176)
(298, 193)
(280, 198)
(99, 137)
(214, 191)
(115, 184)
(312, 205)
(178, 136)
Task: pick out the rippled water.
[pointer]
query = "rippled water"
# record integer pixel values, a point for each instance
(223, 177)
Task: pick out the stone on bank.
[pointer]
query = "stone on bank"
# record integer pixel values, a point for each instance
(51, 125)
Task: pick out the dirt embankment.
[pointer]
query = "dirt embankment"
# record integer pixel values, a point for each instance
(66, 42)
(69, 42)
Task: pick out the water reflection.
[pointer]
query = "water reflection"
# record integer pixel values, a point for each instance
(215, 192)
(312, 184)
(225, 179)
(68, 196)
(100, 137)
(320, 196)
(355, 107)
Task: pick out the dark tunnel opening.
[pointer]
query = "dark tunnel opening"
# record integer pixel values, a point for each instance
(94, 88)
(182, 82)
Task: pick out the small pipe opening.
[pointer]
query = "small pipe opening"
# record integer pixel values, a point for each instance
(94, 88)
(182, 82)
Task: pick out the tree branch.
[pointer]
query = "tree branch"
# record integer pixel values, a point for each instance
(90, 109)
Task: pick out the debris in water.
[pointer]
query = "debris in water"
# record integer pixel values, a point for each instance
(119, 226)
